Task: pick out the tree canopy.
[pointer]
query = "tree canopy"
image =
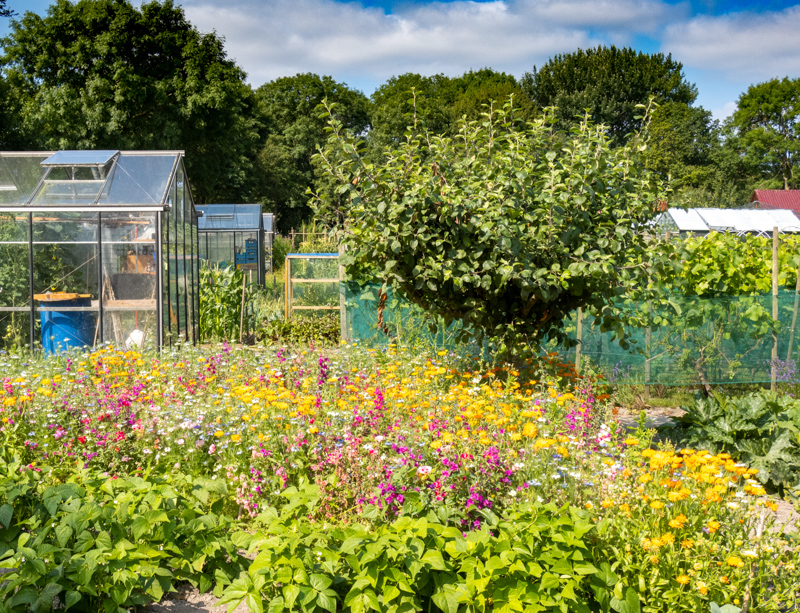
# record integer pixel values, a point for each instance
(105, 74)
(494, 226)
(294, 129)
(766, 128)
(609, 82)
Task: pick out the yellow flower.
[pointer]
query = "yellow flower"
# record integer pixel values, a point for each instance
(713, 526)
(631, 441)
(607, 503)
(219, 433)
(724, 579)
(687, 543)
(529, 430)
(678, 522)
(734, 561)
(653, 560)
(656, 504)
(236, 438)
(701, 587)
(682, 579)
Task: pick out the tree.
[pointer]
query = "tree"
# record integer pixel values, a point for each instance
(104, 74)
(767, 132)
(687, 148)
(294, 128)
(495, 227)
(610, 82)
(394, 107)
(439, 102)
(5, 11)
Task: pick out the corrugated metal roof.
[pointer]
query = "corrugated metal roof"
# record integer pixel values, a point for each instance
(734, 220)
(777, 199)
(688, 221)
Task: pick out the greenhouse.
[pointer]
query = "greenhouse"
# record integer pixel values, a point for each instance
(237, 235)
(97, 246)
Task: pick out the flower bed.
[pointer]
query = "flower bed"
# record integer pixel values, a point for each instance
(357, 440)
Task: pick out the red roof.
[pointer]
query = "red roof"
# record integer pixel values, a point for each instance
(777, 199)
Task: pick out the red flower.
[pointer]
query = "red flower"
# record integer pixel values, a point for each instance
(120, 435)
(81, 439)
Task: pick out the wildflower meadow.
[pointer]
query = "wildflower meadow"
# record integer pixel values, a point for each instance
(364, 479)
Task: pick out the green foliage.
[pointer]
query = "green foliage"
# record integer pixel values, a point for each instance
(98, 543)
(767, 132)
(438, 103)
(760, 429)
(610, 82)
(532, 559)
(288, 109)
(493, 226)
(323, 330)
(221, 302)
(105, 74)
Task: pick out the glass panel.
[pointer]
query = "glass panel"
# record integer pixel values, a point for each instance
(14, 228)
(139, 179)
(315, 294)
(67, 228)
(248, 216)
(167, 282)
(315, 268)
(20, 177)
(196, 282)
(14, 288)
(130, 328)
(95, 157)
(129, 278)
(129, 227)
(65, 279)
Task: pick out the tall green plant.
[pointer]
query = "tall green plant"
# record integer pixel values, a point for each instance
(221, 290)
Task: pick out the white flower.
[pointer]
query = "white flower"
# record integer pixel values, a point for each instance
(180, 441)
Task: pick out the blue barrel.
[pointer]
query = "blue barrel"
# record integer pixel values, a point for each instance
(64, 329)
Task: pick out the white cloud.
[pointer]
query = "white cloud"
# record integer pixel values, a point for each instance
(728, 109)
(741, 46)
(273, 38)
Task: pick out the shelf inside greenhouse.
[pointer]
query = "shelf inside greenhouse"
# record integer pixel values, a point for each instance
(97, 247)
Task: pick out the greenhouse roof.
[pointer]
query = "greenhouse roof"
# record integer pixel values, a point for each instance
(731, 220)
(229, 217)
(87, 180)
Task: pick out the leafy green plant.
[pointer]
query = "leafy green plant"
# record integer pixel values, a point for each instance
(761, 429)
(221, 291)
(301, 330)
(533, 559)
(98, 543)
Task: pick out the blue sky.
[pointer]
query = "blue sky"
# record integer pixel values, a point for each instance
(724, 46)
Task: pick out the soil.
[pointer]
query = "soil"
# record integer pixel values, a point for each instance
(188, 600)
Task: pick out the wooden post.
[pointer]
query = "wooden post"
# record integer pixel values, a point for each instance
(286, 288)
(241, 314)
(648, 337)
(343, 329)
(579, 336)
(774, 368)
(794, 315)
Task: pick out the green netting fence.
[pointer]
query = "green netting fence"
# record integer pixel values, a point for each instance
(699, 340)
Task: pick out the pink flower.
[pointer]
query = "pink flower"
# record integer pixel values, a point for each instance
(212, 449)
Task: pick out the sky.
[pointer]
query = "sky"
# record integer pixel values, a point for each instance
(724, 46)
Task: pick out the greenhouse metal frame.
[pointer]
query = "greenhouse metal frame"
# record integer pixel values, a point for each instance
(97, 246)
